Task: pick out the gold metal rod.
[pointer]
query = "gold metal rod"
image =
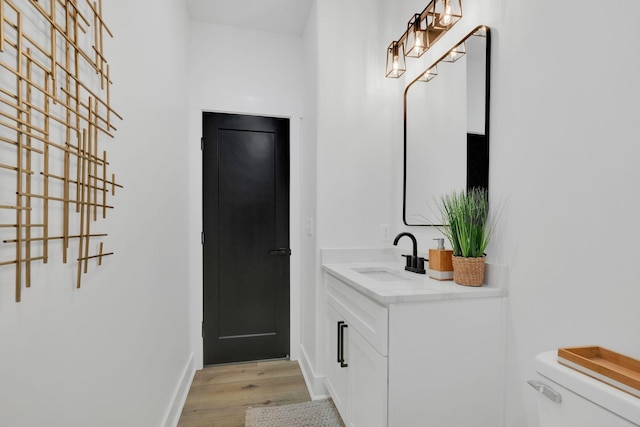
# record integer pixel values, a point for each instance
(82, 166)
(62, 199)
(70, 149)
(39, 239)
(86, 169)
(107, 182)
(98, 13)
(67, 157)
(78, 180)
(86, 258)
(75, 7)
(15, 169)
(86, 107)
(26, 133)
(12, 142)
(6, 92)
(95, 37)
(53, 38)
(19, 75)
(47, 114)
(12, 6)
(103, 26)
(18, 208)
(23, 132)
(45, 203)
(9, 103)
(91, 92)
(99, 54)
(25, 123)
(46, 93)
(19, 166)
(38, 258)
(72, 96)
(108, 92)
(104, 188)
(94, 151)
(39, 47)
(77, 236)
(65, 206)
(28, 159)
(14, 225)
(1, 25)
(9, 41)
(86, 133)
(64, 35)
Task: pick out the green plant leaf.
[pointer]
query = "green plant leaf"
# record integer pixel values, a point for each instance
(465, 215)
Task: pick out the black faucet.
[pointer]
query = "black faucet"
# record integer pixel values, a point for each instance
(414, 263)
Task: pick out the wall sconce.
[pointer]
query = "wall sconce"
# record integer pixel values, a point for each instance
(396, 65)
(446, 13)
(423, 29)
(429, 74)
(455, 53)
(417, 37)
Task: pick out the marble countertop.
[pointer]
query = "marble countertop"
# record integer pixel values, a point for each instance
(388, 283)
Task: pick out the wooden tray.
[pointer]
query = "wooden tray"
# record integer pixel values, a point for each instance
(617, 370)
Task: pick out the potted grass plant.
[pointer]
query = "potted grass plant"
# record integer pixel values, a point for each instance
(466, 226)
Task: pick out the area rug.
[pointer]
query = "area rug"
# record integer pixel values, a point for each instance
(308, 414)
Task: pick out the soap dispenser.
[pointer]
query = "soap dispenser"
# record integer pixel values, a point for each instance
(440, 262)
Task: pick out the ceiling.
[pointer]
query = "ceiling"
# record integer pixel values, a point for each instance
(279, 16)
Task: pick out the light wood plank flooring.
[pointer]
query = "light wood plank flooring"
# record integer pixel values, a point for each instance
(220, 395)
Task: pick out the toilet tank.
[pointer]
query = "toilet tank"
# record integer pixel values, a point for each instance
(568, 398)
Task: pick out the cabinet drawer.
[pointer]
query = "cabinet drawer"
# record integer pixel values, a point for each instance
(364, 315)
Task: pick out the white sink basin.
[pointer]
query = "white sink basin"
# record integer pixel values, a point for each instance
(383, 274)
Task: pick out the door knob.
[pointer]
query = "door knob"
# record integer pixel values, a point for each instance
(280, 251)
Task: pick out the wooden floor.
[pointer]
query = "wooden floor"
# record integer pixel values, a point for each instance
(220, 395)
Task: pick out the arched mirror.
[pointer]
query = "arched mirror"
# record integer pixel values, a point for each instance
(446, 128)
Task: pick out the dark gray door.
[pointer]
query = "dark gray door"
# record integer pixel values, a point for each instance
(246, 237)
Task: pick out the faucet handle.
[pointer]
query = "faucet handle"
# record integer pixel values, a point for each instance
(421, 265)
(409, 259)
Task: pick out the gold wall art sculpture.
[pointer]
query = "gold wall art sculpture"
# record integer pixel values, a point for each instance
(55, 181)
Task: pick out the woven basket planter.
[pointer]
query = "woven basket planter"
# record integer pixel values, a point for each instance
(468, 271)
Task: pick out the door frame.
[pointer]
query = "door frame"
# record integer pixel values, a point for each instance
(195, 256)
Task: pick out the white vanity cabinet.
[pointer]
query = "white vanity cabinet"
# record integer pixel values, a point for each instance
(356, 371)
(434, 360)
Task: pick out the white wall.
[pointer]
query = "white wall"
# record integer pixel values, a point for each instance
(564, 156)
(354, 130)
(309, 345)
(115, 352)
(247, 72)
(352, 151)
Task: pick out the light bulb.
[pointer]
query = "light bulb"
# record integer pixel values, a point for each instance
(446, 18)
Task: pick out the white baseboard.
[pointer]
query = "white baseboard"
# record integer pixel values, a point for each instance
(180, 393)
(315, 382)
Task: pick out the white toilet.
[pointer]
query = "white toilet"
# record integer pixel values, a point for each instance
(568, 398)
